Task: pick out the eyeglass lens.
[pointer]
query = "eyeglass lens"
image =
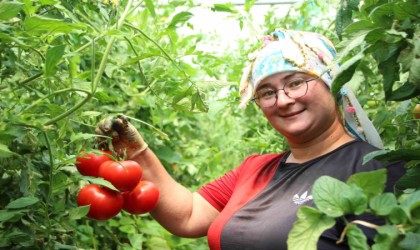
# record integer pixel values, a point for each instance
(294, 89)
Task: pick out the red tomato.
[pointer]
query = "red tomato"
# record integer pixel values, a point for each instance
(88, 163)
(104, 203)
(124, 175)
(142, 199)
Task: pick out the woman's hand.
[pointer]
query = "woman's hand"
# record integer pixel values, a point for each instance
(126, 140)
(175, 207)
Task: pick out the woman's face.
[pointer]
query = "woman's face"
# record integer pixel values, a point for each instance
(304, 118)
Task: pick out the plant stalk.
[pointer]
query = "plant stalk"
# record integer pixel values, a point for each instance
(98, 74)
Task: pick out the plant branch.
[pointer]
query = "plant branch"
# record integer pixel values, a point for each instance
(98, 74)
(104, 33)
(142, 75)
(167, 56)
(31, 78)
(160, 132)
(360, 222)
(54, 93)
(47, 140)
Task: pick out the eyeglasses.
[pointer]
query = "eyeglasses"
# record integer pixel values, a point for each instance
(267, 97)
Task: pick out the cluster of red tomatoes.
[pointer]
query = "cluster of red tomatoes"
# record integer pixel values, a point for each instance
(135, 195)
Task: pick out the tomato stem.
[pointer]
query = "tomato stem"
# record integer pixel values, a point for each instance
(31, 78)
(98, 73)
(160, 132)
(168, 57)
(360, 222)
(52, 94)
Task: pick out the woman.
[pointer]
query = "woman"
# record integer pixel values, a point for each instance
(254, 206)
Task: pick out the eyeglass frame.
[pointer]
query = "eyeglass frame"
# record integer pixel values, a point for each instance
(284, 84)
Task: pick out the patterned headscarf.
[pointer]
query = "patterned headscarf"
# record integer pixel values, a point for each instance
(311, 53)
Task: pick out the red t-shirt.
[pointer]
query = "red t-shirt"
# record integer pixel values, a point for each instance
(258, 200)
(250, 178)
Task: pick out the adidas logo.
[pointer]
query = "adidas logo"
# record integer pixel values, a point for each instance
(299, 200)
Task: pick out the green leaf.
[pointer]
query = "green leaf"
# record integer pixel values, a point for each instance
(414, 63)
(81, 136)
(198, 102)
(63, 246)
(373, 37)
(157, 243)
(359, 28)
(342, 20)
(356, 238)
(414, 76)
(406, 154)
(59, 183)
(180, 18)
(372, 183)
(54, 56)
(150, 7)
(224, 8)
(411, 205)
(354, 200)
(30, 8)
(410, 179)
(91, 113)
(373, 155)
(44, 24)
(166, 153)
(336, 198)
(78, 212)
(405, 92)
(350, 47)
(384, 52)
(141, 57)
(17, 235)
(388, 68)
(386, 238)
(115, 32)
(249, 4)
(345, 73)
(136, 240)
(22, 202)
(181, 95)
(398, 216)
(7, 215)
(99, 181)
(381, 117)
(369, 4)
(5, 152)
(344, 16)
(48, 2)
(353, 4)
(382, 15)
(9, 9)
(8, 39)
(128, 229)
(410, 241)
(306, 230)
(383, 204)
(406, 57)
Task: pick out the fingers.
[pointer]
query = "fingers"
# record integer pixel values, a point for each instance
(119, 124)
(105, 125)
(125, 129)
(104, 129)
(125, 138)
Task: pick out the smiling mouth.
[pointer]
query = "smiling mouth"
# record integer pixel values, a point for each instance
(291, 114)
